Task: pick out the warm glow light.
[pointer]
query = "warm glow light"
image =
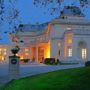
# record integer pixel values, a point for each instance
(44, 51)
(84, 53)
(47, 51)
(5, 49)
(26, 50)
(2, 58)
(4, 53)
(17, 55)
(26, 54)
(49, 27)
(70, 52)
(59, 44)
(69, 41)
(21, 57)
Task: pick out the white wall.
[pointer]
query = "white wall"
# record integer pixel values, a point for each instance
(77, 39)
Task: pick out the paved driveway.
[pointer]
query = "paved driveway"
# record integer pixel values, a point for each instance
(33, 69)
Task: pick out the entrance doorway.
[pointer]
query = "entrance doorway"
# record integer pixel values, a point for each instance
(43, 51)
(41, 54)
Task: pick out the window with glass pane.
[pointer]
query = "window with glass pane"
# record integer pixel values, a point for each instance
(69, 52)
(84, 53)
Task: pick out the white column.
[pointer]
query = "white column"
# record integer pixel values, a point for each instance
(36, 54)
(74, 49)
(31, 53)
(62, 51)
(8, 53)
(88, 51)
(51, 49)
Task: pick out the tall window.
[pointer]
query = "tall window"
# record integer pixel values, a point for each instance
(68, 44)
(3, 52)
(84, 53)
(69, 52)
(26, 49)
(59, 47)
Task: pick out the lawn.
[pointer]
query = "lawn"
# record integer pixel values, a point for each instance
(70, 79)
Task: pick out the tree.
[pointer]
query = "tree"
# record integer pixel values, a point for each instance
(46, 2)
(57, 4)
(9, 14)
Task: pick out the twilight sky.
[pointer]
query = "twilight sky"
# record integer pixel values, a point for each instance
(29, 14)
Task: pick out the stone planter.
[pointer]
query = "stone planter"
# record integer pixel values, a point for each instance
(15, 50)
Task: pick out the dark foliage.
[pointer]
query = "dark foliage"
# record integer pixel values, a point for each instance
(46, 2)
(49, 61)
(87, 63)
(11, 16)
(25, 60)
(56, 4)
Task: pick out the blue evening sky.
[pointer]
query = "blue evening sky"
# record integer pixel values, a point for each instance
(29, 14)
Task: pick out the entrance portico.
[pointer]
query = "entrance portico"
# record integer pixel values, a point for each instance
(40, 52)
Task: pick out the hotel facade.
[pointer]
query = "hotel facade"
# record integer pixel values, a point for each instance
(65, 38)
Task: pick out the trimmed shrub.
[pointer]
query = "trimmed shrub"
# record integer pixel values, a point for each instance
(57, 62)
(87, 63)
(50, 61)
(25, 60)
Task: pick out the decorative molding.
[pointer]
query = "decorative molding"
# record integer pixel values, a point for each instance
(71, 22)
(81, 32)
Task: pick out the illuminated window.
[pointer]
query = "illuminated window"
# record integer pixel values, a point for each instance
(2, 58)
(21, 57)
(4, 49)
(4, 53)
(70, 52)
(59, 44)
(84, 53)
(0, 51)
(26, 54)
(70, 41)
(26, 50)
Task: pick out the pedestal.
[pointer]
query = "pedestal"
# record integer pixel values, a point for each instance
(14, 67)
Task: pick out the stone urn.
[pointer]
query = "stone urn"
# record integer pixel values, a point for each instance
(15, 50)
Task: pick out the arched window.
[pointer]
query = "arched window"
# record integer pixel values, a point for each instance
(84, 53)
(59, 48)
(70, 52)
(83, 49)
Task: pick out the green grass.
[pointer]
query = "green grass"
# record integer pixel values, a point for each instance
(70, 79)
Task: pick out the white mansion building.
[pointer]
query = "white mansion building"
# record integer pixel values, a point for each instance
(65, 38)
